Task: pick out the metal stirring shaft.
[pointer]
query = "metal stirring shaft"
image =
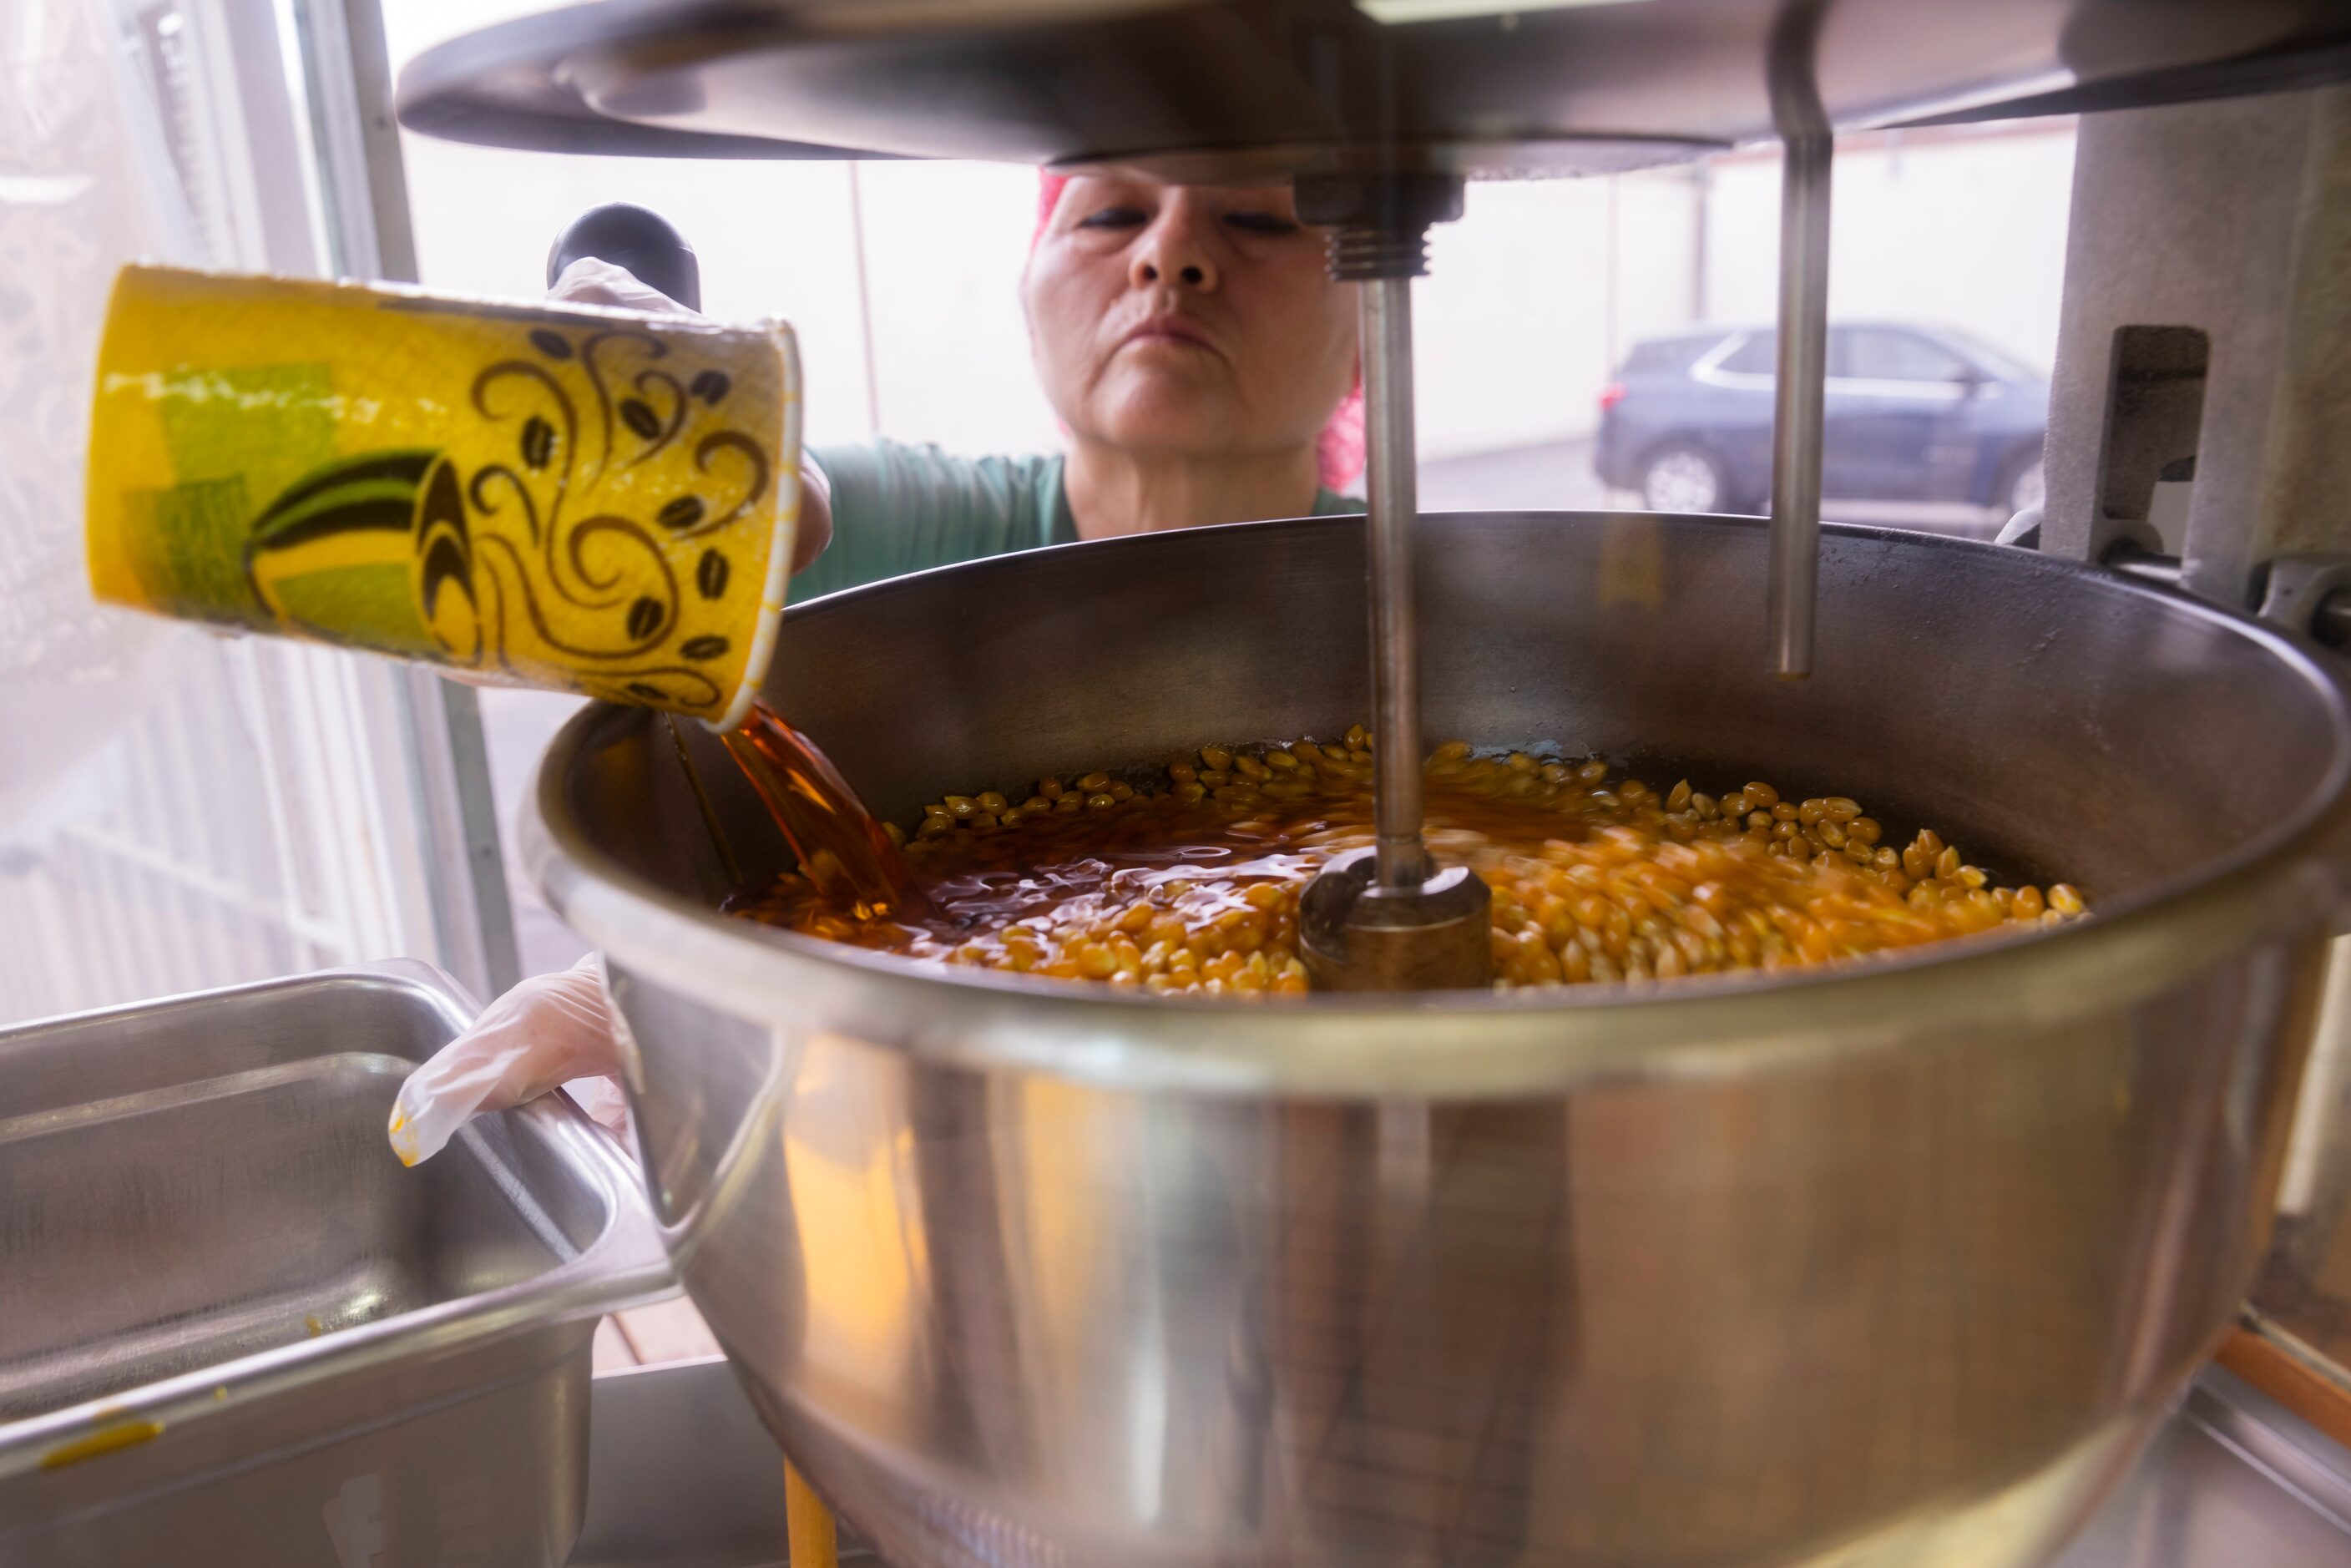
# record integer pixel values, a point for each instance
(1797, 415)
(1386, 316)
(1386, 918)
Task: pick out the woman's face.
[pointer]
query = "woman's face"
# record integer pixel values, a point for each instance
(1187, 319)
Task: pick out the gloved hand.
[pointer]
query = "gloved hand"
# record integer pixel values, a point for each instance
(548, 1030)
(589, 281)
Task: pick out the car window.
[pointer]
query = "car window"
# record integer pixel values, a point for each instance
(1757, 356)
(1992, 357)
(1877, 356)
(1648, 358)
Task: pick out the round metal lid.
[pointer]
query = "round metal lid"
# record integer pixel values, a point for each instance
(1270, 89)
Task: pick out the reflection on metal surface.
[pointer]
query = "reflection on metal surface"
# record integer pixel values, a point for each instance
(1403, 13)
(1754, 1271)
(853, 1181)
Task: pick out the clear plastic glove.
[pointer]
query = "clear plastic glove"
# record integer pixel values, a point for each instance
(589, 281)
(548, 1030)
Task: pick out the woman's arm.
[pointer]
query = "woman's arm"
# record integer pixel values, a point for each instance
(906, 508)
(893, 509)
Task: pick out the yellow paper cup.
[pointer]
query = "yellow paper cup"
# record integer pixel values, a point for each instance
(591, 500)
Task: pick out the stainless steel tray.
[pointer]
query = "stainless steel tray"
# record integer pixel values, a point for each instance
(683, 1476)
(233, 1329)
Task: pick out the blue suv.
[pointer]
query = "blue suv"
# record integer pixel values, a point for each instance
(1913, 414)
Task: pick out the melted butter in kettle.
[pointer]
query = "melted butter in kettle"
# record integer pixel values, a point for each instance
(849, 860)
(1190, 883)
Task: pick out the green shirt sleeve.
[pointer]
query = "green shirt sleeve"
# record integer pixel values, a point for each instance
(898, 508)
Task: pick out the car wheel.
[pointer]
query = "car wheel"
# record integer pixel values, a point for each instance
(1684, 478)
(2024, 483)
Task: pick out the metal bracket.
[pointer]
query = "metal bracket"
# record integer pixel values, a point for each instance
(2310, 595)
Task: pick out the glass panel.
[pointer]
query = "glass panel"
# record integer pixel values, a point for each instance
(1875, 355)
(182, 811)
(1654, 359)
(1757, 356)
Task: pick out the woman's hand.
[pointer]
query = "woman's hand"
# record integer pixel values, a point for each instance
(588, 281)
(557, 1029)
(548, 1030)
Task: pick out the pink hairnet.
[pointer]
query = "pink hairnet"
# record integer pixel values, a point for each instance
(1339, 452)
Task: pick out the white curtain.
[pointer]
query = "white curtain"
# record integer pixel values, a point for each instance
(86, 185)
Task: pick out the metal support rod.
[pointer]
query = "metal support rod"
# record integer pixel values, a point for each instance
(1385, 308)
(1796, 413)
